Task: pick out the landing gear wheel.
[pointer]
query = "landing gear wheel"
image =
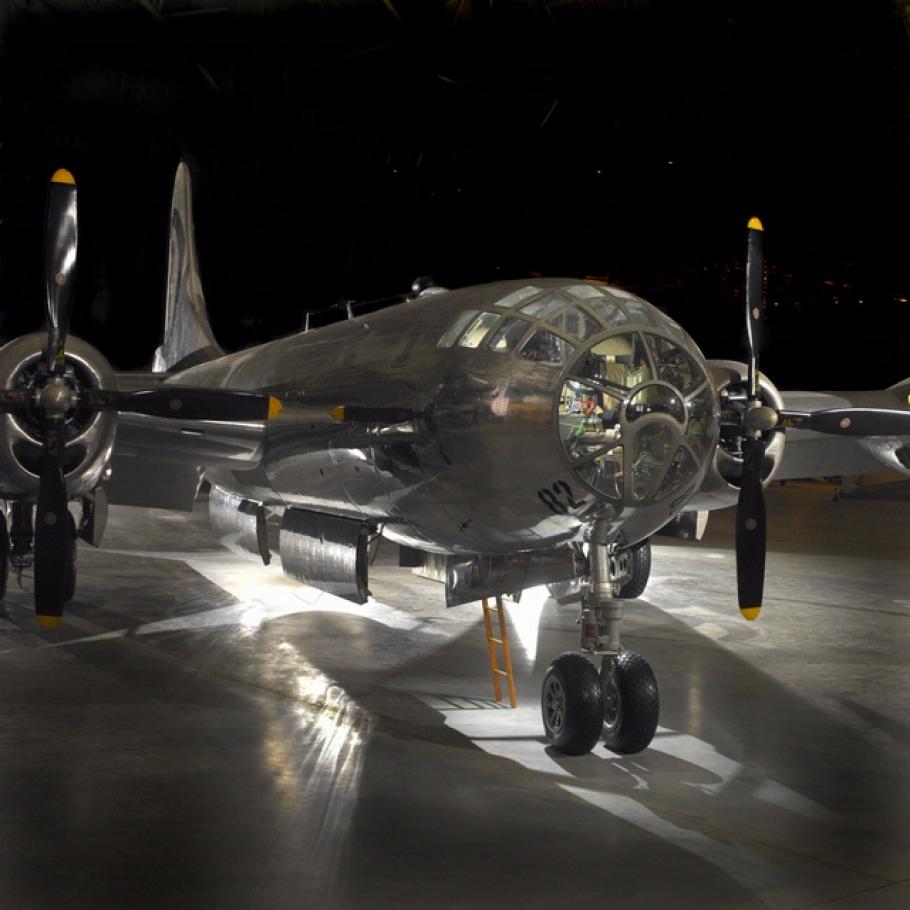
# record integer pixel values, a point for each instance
(640, 564)
(70, 589)
(572, 705)
(631, 703)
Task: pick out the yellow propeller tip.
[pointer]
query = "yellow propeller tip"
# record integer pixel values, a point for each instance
(48, 623)
(338, 413)
(755, 224)
(275, 407)
(750, 613)
(62, 175)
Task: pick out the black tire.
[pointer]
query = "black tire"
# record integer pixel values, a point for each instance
(4, 555)
(571, 704)
(640, 558)
(631, 703)
(70, 590)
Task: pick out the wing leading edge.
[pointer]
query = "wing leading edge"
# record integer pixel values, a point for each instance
(812, 454)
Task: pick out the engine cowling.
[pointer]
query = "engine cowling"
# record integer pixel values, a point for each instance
(721, 484)
(89, 435)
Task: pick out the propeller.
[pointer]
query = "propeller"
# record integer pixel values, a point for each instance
(758, 419)
(53, 540)
(751, 522)
(55, 396)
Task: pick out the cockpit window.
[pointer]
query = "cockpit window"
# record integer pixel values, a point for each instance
(655, 399)
(700, 428)
(619, 360)
(545, 347)
(674, 365)
(478, 329)
(588, 419)
(574, 321)
(638, 310)
(508, 335)
(543, 306)
(604, 472)
(675, 329)
(455, 329)
(681, 470)
(608, 310)
(649, 455)
(583, 291)
(519, 295)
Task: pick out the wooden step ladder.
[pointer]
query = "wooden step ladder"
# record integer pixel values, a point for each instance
(503, 642)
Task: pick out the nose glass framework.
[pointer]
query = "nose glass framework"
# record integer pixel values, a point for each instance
(636, 416)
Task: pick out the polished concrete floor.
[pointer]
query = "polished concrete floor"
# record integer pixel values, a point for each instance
(204, 733)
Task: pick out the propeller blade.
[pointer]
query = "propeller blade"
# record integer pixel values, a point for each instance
(188, 403)
(52, 532)
(850, 421)
(59, 263)
(755, 265)
(751, 531)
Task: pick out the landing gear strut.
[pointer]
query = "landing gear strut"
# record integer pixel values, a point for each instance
(621, 702)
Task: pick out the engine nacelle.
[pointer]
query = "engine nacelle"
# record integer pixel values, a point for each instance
(89, 436)
(720, 487)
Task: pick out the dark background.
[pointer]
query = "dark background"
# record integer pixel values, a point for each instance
(341, 149)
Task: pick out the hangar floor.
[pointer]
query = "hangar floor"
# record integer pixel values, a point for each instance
(205, 733)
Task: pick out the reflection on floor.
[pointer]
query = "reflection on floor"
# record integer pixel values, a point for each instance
(204, 732)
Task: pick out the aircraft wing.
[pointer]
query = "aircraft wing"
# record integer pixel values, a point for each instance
(158, 462)
(811, 454)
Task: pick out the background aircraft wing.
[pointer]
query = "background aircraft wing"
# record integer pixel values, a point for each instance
(811, 454)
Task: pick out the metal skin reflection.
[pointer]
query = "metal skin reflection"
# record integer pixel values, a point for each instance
(314, 752)
(480, 465)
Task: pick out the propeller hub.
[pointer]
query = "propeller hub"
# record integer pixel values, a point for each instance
(760, 419)
(57, 397)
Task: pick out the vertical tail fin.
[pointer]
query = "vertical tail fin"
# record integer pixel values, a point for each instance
(188, 337)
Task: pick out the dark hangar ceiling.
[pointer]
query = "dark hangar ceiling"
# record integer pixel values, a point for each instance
(342, 148)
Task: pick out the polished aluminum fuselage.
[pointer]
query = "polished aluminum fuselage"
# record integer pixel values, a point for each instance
(478, 467)
(465, 475)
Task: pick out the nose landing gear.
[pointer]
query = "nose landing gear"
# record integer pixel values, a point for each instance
(621, 703)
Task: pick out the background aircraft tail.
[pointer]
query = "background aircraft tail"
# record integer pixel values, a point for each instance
(188, 337)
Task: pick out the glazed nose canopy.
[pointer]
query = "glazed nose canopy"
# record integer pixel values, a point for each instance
(636, 416)
(656, 399)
